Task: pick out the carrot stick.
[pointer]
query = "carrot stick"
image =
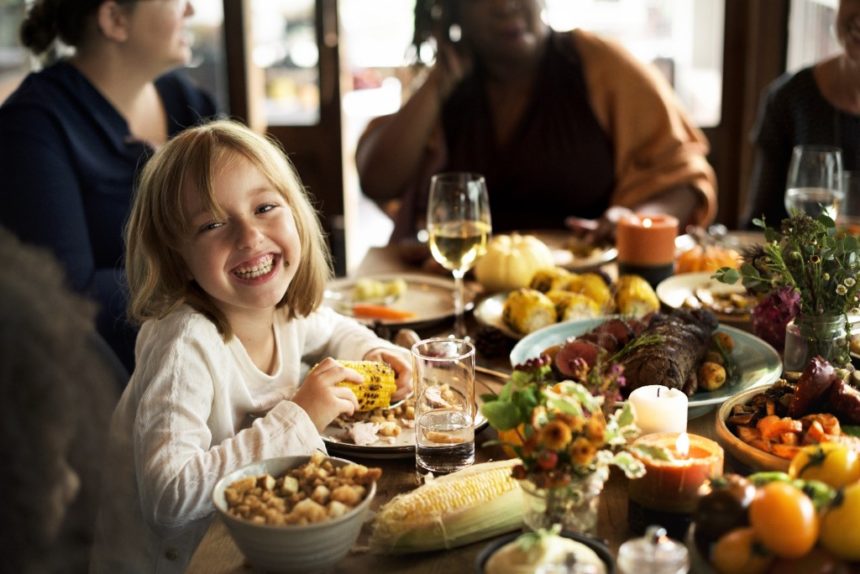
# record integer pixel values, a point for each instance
(365, 311)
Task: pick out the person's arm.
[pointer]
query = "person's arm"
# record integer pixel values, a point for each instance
(178, 458)
(657, 148)
(390, 151)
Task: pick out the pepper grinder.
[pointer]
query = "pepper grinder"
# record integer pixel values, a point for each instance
(654, 553)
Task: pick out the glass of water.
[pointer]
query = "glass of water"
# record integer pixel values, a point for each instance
(444, 381)
(814, 183)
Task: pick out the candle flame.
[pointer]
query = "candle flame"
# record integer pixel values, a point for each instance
(646, 222)
(682, 445)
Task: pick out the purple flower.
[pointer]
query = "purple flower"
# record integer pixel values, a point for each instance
(773, 313)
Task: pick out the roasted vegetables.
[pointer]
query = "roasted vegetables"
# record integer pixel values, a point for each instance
(378, 386)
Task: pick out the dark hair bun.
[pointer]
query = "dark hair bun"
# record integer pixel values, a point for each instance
(39, 28)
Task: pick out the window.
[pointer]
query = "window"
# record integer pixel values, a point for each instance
(810, 32)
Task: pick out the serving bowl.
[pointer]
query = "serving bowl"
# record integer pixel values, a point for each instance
(749, 455)
(291, 548)
(599, 547)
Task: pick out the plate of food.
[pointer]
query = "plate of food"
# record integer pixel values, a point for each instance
(764, 427)
(544, 552)
(380, 433)
(561, 296)
(730, 303)
(398, 300)
(753, 362)
(574, 253)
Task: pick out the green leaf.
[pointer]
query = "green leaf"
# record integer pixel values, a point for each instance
(726, 275)
(652, 451)
(632, 466)
(625, 416)
(489, 398)
(501, 415)
(852, 430)
(762, 478)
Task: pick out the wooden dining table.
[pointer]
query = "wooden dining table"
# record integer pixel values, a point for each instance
(218, 554)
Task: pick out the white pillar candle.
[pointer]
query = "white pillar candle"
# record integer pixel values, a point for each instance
(659, 409)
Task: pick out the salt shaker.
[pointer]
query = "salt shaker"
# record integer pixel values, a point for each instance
(655, 553)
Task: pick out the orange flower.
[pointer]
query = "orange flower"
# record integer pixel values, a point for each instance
(582, 451)
(574, 423)
(555, 435)
(595, 430)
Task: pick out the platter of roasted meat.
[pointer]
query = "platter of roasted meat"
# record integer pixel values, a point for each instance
(765, 427)
(673, 348)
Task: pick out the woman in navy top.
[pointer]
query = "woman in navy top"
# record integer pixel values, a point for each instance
(818, 105)
(74, 135)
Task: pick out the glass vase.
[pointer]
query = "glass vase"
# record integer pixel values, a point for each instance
(573, 506)
(824, 335)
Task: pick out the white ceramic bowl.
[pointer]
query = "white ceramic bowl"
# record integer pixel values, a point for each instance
(292, 548)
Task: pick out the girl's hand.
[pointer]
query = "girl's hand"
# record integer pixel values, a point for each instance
(401, 364)
(321, 398)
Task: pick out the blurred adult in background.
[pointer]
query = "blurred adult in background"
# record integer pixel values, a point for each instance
(74, 134)
(561, 124)
(818, 105)
(57, 393)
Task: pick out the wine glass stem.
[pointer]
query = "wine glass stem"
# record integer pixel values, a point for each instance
(459, 319)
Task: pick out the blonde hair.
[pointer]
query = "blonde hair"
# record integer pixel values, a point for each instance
(158, 277)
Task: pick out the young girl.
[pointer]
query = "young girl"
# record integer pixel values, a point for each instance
(226, 267)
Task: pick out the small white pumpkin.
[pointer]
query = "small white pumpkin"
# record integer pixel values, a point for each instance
(511, 260)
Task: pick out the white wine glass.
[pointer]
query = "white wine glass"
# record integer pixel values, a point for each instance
(458, 222)
(814, 184)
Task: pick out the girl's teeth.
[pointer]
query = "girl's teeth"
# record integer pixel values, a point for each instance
(257, 271)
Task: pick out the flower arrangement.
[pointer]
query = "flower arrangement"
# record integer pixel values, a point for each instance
(560, 430)
(808, 256)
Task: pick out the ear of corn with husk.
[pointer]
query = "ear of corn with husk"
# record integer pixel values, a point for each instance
(378, 386)
(478, 502)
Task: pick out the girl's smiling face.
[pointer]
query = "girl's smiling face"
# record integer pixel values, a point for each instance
(246, 257)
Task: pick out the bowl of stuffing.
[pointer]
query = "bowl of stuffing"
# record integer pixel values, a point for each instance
(296, 513)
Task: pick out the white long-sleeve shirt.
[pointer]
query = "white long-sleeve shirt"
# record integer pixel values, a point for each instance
(182, 423)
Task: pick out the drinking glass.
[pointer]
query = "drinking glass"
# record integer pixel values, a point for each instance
(814, 183)
(444, 379)
(458, 221)
(849, 211)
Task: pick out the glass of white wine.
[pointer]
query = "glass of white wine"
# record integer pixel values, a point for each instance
(458, 221)
(814, 184)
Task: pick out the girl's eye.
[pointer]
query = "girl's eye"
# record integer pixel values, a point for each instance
(209, 226)
(266, 207)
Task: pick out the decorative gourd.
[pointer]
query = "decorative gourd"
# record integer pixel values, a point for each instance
(707, 258)
(511, 260)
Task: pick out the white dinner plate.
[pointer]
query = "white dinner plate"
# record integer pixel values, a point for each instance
(758, 363)
(430, 299)
(559, 242)
(678, 289)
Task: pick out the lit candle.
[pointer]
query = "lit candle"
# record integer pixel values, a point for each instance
(646, 245)
(659, 409)
(673, 485)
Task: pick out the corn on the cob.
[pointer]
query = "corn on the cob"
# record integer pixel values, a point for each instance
(544, 278)
(592, 286)
(378, 386)
(570, 306)
(526, 310)
(635, 297)
(472, 504)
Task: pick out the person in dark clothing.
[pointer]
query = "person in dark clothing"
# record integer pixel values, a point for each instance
(818, 105)
(74, 135)
(561, 124)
